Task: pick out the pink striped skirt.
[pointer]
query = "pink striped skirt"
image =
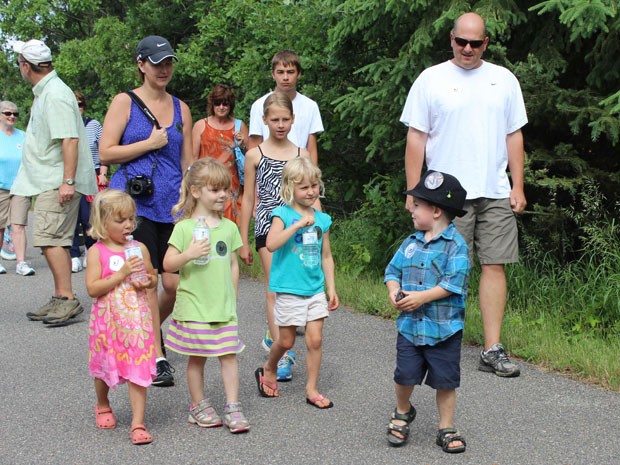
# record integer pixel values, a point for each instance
(203, 339)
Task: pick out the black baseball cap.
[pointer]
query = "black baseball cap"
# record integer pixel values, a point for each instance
(441, 189)
(155, 48)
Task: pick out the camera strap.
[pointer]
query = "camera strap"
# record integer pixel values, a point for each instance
(152, 169)
(142, 106)
(151, 117)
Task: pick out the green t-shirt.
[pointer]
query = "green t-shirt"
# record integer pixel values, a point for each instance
(206, 293)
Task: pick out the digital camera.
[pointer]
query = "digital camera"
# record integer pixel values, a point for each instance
(139, 186)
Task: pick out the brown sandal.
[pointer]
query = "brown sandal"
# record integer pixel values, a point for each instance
(447, 436)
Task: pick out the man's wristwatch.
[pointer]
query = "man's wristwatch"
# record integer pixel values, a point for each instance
(69, 182)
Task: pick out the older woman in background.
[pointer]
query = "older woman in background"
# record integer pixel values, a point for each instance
(217, 136)
(13, 208)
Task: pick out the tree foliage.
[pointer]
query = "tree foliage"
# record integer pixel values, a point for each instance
(360, 57)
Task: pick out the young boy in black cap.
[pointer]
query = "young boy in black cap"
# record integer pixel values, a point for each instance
(427, 281)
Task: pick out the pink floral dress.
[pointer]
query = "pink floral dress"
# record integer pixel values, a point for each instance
(120, 330)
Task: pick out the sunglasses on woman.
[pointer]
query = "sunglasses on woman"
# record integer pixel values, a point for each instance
(9, 113)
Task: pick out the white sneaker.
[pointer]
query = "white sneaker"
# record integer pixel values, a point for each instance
(76, 265)
(2, 269)
(24, 269)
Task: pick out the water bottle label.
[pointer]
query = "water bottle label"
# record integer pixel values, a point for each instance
(131, 251)
(201, 234)
(310, 237)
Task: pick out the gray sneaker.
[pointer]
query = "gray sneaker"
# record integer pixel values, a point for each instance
(496, 361)
(45, 309)
(24, 269)
(63, 311)
(234, 418)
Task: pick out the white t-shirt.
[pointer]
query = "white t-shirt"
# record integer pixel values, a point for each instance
(467, 115)
(307, 120)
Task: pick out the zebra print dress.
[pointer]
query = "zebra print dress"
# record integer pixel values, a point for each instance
(268, 184)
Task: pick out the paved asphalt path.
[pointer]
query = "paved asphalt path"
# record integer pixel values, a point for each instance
(47, 398)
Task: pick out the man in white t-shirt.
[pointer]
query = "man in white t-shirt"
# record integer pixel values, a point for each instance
(286, 70)
(465, 115)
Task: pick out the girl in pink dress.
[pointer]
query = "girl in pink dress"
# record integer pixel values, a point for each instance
(120, 331)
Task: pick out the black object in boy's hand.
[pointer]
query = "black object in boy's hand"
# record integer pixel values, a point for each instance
(400, 295)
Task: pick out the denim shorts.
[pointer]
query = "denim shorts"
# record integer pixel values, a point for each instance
(439, 364)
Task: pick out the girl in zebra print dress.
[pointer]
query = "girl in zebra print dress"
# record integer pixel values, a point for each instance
(263, 179)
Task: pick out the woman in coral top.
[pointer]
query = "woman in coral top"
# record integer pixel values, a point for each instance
(215, 137)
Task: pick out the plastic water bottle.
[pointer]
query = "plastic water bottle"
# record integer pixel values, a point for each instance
(201, 232)
(310, 240)
(132, 248)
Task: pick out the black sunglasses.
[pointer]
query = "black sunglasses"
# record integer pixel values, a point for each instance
(9, 113)
(473, 43)
(80, 104)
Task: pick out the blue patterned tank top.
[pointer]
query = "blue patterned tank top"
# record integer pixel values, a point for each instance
(268, 185)
(167, 175)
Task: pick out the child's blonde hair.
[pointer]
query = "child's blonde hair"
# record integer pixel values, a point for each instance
(109, 204)
(294, 172)
(278, 99)
(204, 172)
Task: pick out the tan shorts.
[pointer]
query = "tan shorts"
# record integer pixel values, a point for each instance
(297, 310)
(13, 209)
(54, 224)
(490, 227)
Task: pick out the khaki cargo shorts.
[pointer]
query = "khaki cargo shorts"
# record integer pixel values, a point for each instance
(490, 227)
(13, 209)
(54, 224)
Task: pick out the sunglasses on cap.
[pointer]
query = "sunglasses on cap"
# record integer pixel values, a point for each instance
(9, 113)
(473, 43)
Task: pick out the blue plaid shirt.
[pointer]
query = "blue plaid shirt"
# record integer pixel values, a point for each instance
(419, 266)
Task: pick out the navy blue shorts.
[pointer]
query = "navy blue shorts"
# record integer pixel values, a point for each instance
(154, 236)
(439, 364)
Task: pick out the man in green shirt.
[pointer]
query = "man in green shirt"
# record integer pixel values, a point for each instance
(57, 168)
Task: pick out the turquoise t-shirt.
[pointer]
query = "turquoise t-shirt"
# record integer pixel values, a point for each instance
(10, 156)
(288, 274)
(206, 293)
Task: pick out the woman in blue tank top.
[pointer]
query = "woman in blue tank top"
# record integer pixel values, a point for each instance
(161, 154)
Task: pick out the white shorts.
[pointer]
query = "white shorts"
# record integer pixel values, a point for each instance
(297, 310)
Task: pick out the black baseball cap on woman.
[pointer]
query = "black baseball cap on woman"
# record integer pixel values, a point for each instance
(155, 48)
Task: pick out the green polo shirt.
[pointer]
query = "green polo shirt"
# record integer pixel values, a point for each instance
(54, 116)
